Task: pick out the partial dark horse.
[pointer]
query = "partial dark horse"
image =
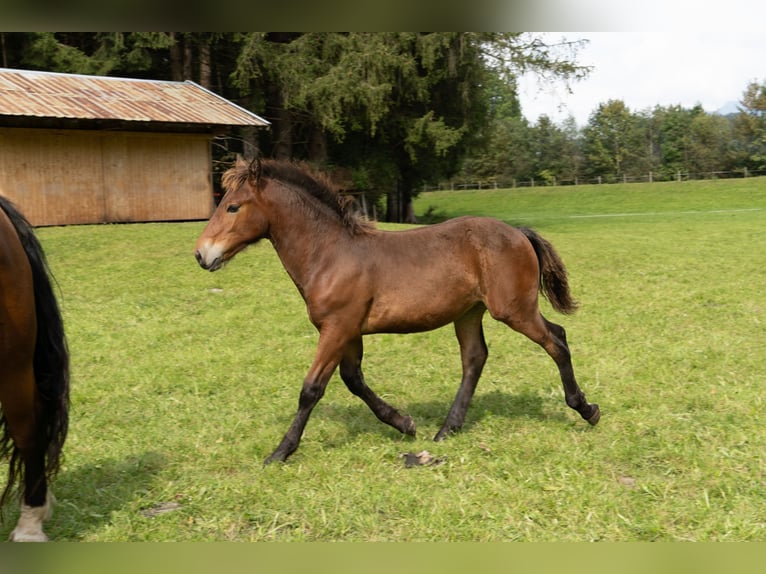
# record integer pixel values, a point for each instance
(34, 373)
(357, 280)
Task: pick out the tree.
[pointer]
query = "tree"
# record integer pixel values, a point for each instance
(503, 148)
(554, 150)
(389, 105)
(174, 56)
(750, 126)
(101, 53)
(710, 136)
(610, 139)
(400, 108)
(675, 139)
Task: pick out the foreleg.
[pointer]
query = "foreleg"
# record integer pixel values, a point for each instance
(473, 355)
(351, 373)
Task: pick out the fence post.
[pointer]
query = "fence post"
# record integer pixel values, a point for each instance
(651, 180)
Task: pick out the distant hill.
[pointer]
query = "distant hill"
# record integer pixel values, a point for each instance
(727, 109)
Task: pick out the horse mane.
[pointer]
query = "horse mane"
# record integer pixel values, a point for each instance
(314, 184)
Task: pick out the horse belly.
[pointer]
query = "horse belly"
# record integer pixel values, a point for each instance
(421, 305)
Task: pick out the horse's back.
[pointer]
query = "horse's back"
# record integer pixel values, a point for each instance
(468, 243)
(464, 232)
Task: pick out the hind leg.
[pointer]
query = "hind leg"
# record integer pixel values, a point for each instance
(556, 345)
(555, 342)
(473, 355)
(37, 504)
(552, 338)
(351, 373)
(20, 417)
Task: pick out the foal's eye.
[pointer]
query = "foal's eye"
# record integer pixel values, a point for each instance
(233, 208)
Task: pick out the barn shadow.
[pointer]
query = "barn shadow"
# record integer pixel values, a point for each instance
(86, 496)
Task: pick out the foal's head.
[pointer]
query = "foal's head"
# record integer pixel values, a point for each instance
(237, 222)
(244, 214)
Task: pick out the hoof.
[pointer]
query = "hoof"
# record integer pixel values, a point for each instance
(18, 536)
(595, 417)
(409, 427)
(274, 457)
(445, 432)
(30, 525)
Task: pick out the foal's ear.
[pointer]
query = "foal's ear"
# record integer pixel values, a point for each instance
(254, 171)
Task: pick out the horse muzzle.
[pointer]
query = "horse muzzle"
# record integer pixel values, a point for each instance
(209, 258)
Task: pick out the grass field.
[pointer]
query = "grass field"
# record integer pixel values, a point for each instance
(184, 381)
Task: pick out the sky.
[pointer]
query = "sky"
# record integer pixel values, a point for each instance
(645, 69)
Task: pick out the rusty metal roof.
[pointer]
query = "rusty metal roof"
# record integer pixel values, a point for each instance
(25, 93)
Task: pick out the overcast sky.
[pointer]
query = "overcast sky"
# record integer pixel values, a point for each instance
(645, 69)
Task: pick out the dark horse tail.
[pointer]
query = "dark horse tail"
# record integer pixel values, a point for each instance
(554, 282)
(51, 361)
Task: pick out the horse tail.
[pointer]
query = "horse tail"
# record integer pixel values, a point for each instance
(554, 281)
(51, 359)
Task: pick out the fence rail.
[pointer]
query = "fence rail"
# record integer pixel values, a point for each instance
(651, 177)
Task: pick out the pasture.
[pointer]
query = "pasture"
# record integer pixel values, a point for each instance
(183, 381)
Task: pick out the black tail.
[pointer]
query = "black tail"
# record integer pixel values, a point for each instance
(554, 282)
(51, 360)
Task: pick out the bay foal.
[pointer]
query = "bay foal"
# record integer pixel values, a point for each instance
(357, 280)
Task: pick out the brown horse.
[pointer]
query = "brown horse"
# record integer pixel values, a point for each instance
(357, 280)
(34, 373)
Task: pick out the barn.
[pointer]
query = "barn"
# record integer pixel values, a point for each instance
(91, 149)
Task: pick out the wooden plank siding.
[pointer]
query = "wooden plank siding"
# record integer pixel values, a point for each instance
(60, 177)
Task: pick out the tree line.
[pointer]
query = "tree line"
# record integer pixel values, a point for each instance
(663, 143)
(391, 112)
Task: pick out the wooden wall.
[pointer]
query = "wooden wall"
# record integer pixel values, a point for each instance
(60, 177)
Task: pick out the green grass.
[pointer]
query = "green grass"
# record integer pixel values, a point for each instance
(184, 381)
(565, 206)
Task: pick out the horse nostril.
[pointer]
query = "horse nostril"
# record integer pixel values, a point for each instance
(198, 256)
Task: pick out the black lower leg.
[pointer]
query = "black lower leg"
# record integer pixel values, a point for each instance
(473, 355)
(309, 397)
(456, 415)
(35, 487)
(351, 373)
(573, 395)
(575, 399)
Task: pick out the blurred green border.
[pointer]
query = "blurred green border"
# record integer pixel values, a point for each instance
(303, 15)
(380, 558)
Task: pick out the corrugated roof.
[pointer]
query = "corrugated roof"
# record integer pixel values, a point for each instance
(51, 95)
